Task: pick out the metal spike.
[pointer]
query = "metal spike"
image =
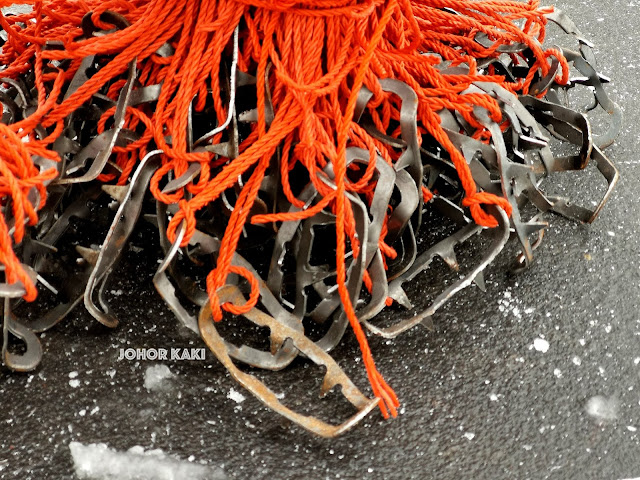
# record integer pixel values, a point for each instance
(88, 254)
(479, 281)
(117, 192)
(401, 297)
(427, 323)
(222, 149)
(250, 116)
(243, 78)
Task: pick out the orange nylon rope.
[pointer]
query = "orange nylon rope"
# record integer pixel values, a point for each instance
(315, 56)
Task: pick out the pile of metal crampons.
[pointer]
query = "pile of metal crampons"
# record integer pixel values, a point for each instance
(295, 262)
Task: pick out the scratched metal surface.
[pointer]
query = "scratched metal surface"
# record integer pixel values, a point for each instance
(478, 400)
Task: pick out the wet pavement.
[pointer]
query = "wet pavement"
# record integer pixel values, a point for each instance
(538, 377)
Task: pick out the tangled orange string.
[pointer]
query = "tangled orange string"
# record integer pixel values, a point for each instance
(315, 56)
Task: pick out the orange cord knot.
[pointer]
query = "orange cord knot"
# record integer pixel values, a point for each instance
(214, 283)
(154, 186)
(480, 216)
(186, 214)
(563, 78)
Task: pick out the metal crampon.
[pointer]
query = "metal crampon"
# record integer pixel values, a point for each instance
(414, 205)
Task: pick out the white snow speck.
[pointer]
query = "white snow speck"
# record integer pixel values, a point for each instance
(610, 233)
(469, 435)
(493, 397)
(577, 361)
(636, 360)
(631, 429)
(557, 372)
(75, 383)
(541, 345)
(99, 462)
(602, 408)
(73, 374)
(511, 306)
(82, 412)
(236, 396)
(156, 376)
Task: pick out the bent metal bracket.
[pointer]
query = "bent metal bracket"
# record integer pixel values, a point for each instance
(545, 134)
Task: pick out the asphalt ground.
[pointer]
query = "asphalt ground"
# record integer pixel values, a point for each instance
(479, 400)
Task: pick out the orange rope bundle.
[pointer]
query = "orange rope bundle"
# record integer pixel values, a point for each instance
(311, 59)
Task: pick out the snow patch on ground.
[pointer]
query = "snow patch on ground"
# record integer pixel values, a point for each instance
(99, 462)
(236, 396)
(602, 408)
(512, 307)
(157, 377)
(541, 345)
